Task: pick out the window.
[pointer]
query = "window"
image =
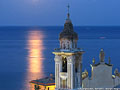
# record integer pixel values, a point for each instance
(64, 64)
(36, 87)
(64, 46)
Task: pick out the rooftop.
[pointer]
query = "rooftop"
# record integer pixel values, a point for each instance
(47, 81)
(100, 63)
(68, 31)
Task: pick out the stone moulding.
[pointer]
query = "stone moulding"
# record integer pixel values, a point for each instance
(63, 75)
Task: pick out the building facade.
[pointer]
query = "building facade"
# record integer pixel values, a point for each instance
(101, 74)
(47, 83)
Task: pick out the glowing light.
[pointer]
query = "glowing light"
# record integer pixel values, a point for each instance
(35, 46)
(35, 57)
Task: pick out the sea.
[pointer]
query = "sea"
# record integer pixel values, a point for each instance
(26, 52)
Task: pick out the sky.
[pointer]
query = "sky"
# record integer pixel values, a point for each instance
(54, 12)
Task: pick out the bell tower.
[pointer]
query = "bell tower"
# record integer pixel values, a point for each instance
(68, 59)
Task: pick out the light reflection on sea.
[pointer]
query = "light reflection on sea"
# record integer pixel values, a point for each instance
(35, 58)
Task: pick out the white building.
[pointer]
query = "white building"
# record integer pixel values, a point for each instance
(101, 75)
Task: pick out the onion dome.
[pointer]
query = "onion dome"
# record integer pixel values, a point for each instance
(68, 32)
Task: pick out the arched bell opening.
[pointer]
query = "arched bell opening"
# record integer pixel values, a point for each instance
(64, 64)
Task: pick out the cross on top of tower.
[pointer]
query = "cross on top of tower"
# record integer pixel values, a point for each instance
(68, 11)
(68, 7)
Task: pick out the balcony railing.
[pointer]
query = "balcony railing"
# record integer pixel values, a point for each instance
(63, 75)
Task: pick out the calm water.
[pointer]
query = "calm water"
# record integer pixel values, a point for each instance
(26, 52)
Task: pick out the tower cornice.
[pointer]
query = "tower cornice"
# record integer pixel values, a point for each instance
(68, 53)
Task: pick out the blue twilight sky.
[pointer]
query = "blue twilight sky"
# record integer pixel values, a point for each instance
(53, 12)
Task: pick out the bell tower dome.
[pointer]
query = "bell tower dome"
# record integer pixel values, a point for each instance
(68, 38)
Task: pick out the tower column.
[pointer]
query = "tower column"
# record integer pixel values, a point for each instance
(80, 70)
(79, 73)
(70, 72)
(57, 70)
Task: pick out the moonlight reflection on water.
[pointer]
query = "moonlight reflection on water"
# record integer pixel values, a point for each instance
(35, 56)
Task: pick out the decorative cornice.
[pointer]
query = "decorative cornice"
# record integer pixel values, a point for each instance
(68, 53)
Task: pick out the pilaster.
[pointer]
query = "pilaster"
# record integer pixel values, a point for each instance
(70, 72)
(57, 70)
